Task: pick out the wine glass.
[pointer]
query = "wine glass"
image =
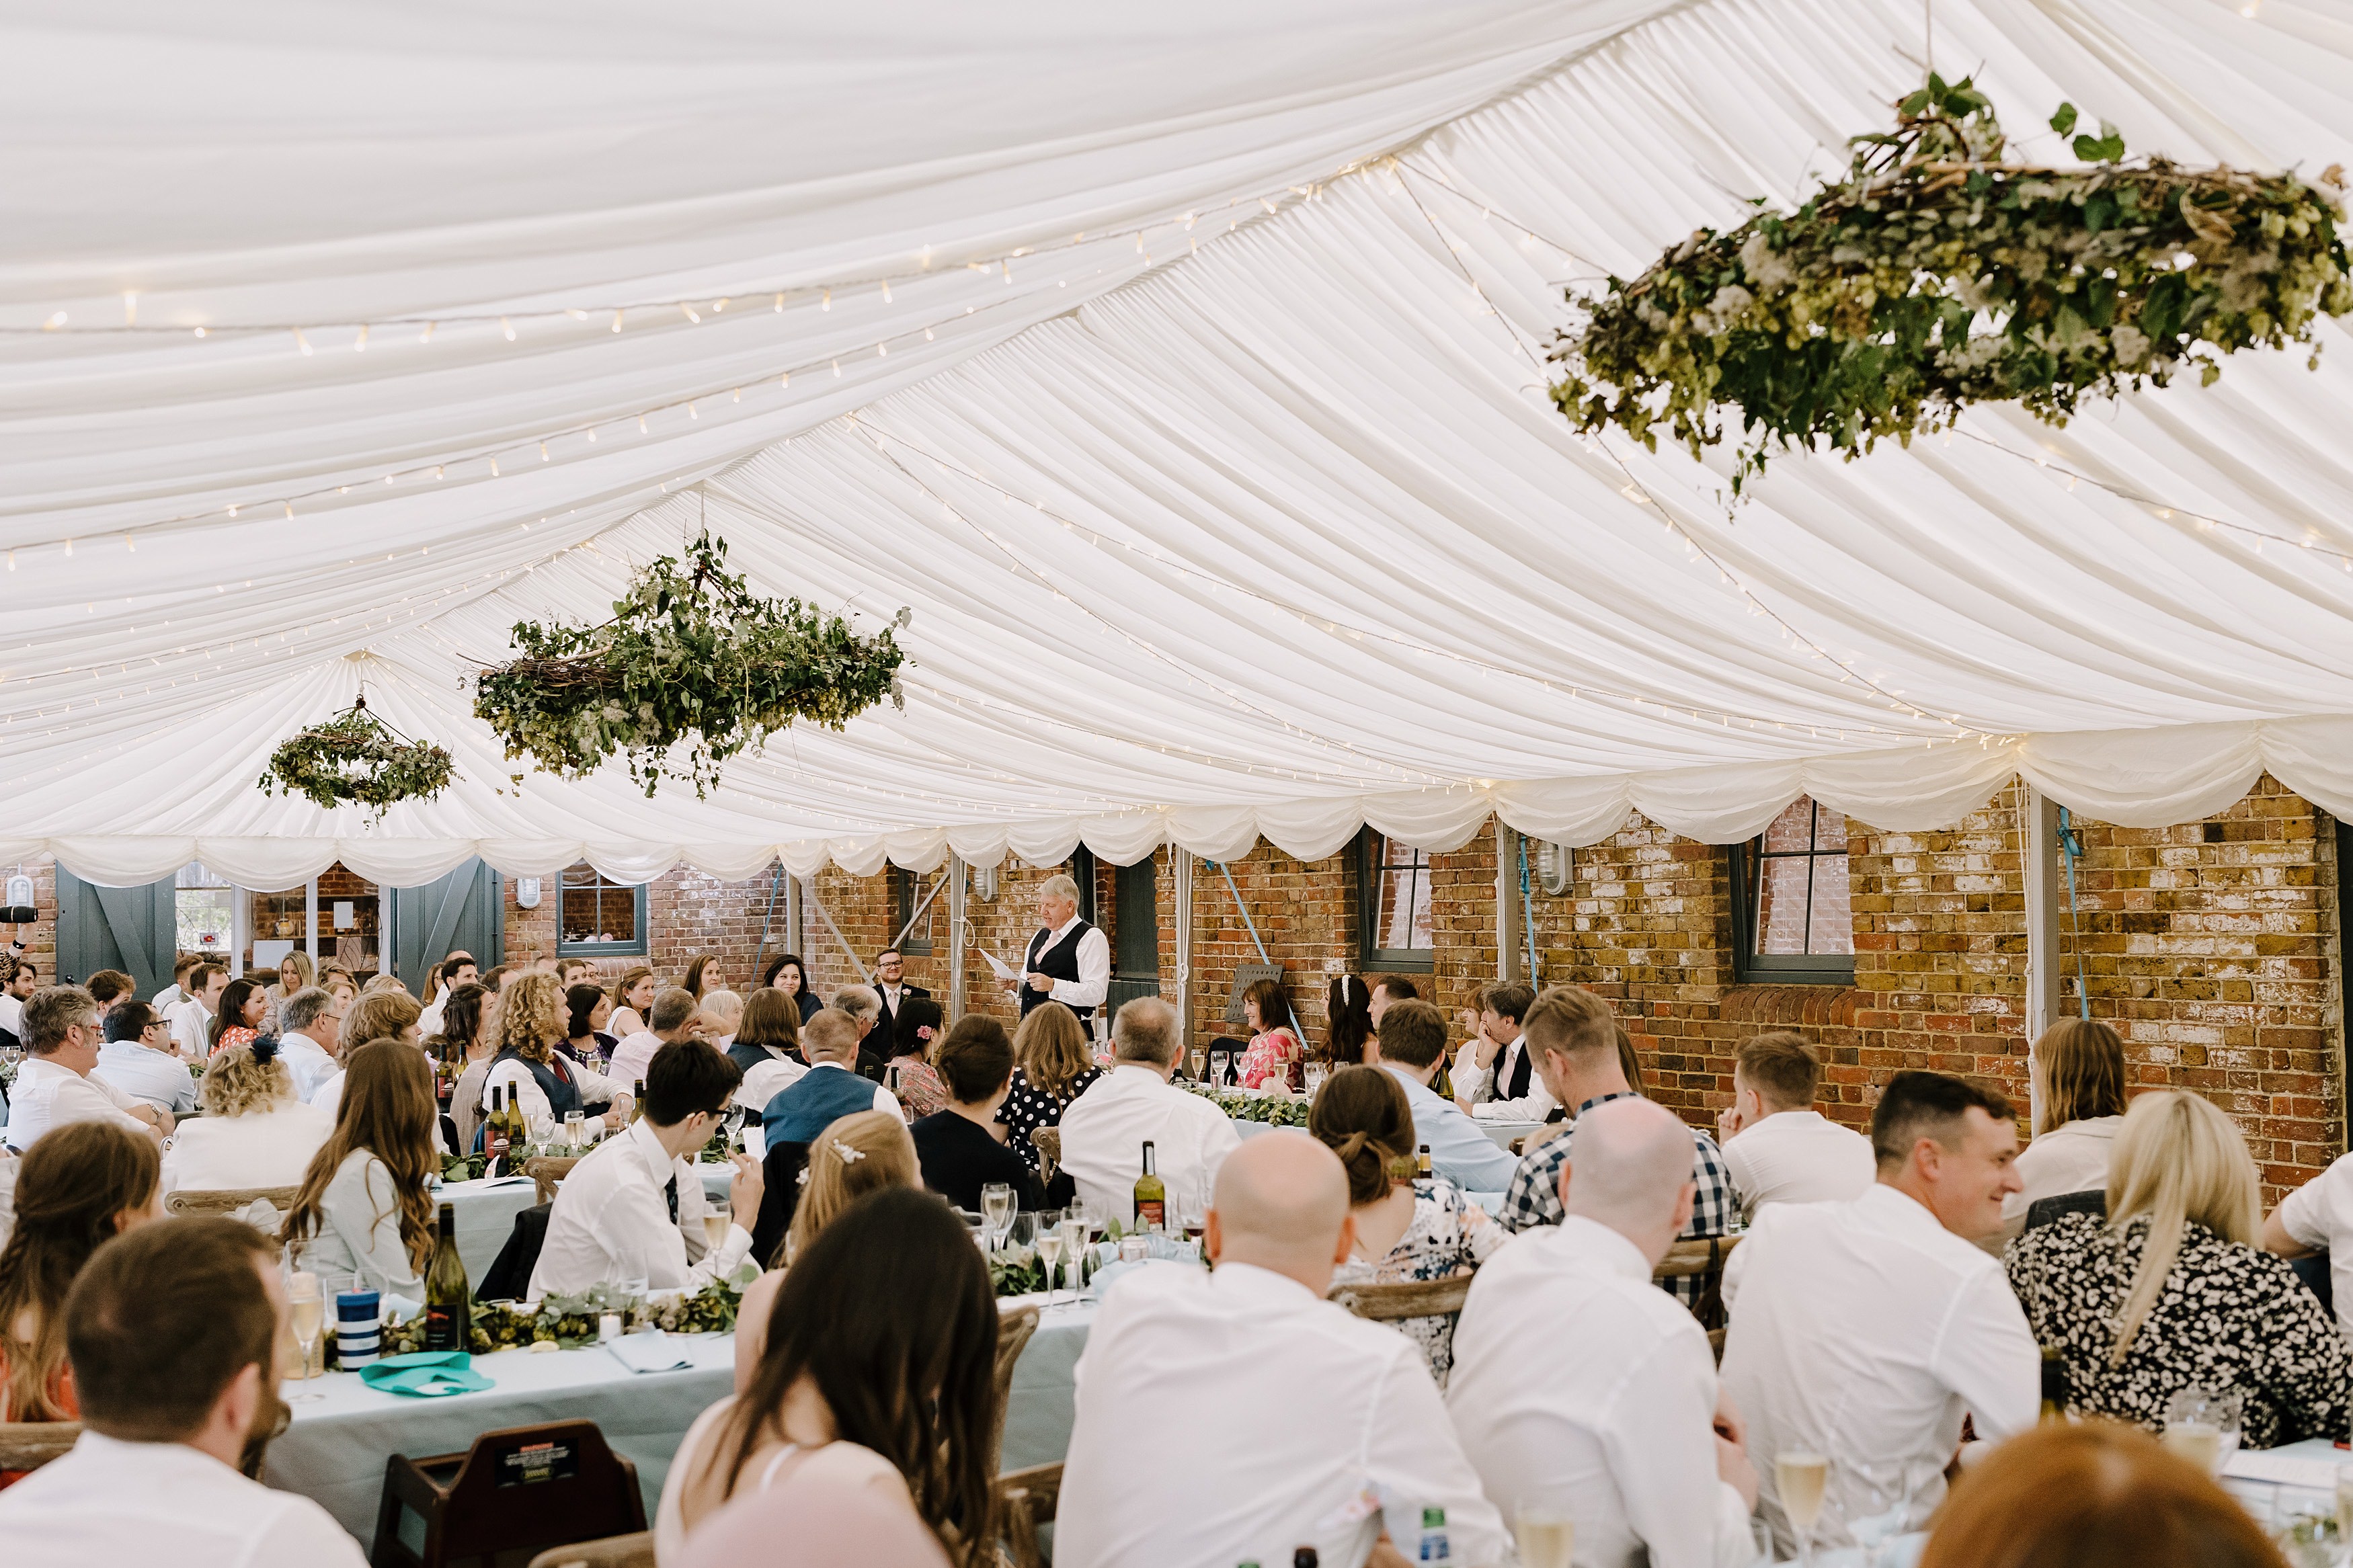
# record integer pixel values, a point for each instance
(1545, 1537)
(306, 1311)
(1074, 1245)
(1021, 1230)
(1879, 1503)
(575, 1129)
(1049, 1251)
(717, 1220)
(2193, 1426)
(995, 1212)
(1800, 1477)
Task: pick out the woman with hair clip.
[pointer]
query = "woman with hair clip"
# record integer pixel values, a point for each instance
(879, 1373)
(1274, 1048)
(253, 1134)
(2079, 1078)
(238, 1022)
(910, 1075)
(788, 974)
(364, 1206)
(546, 1083)
(81, 1186)
(1406, 1228)
(2168, 1291)
(1349, 1006)
(862, 1153)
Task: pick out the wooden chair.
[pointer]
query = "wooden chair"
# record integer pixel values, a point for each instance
(510, 1498)
(29, 1445)
(1049, 1141)
(1013, 1331)
(1411, 1298)
(226, 1202)
(613, 1551)
(1025, 1499)
(545, 1171)
(1705, 1256)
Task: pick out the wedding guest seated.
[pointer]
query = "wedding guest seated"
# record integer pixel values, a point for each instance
(2318, 1217)
(2169, 1290)
(1405, 1230)
(546, 1083)
(363, 1207)
(389, 1014)
(464, 1048)
(253, 1134)
(830, 1090)
(785, 972)
(1239, 1414)
(911, 1078)
(293, 976)
(810, 1523)
(675, 1014)
(1275, 1048)
(2093, 1496)
(139, 1059)
(1582, 1392)
(110, 988)
(2078, 1065)
(769, 1031)
(633, 1001)
(1777, 1147)
(457, 969)
(721, 1012)
(310, 1039)
(53, 1085)
(878, 1376)
(862, 1153)
(586, 1011)
(173, 1332)
(1495, 1073)
(1054, 1063)
(81, 1186)
(1867, 1330)
(958, 1148)
(632, 1208)
(1349, 1013)
(1105, 1129)
(1578, 1048)
(1412, 1049)
(864, 1007)
(238, 1021)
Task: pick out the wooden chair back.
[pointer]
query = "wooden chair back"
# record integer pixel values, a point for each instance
(29, 1445)
(1025, 1499)
(545, 1171)
(1048, 1143)
(516, 1492)
(1702, 1258)
(1013, 1331)
(1410, 1299)
(226, 1202)
(613, 1551)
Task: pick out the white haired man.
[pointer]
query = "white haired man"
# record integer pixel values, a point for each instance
(1068, 961)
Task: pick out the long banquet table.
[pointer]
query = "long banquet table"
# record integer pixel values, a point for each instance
(1501, 1132)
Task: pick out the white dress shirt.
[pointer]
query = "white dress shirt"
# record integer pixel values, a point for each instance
(2320, 1213)
(167, 999)
(1477, 1088)
(537, 1115)
(611, 1223)
(766, 1081)
(192, 1027)
(1799, 1157)
(157, 1078)
(311, 1063)
(1581, 1388)
(1094, 956)
(329, 1095)
(12, 1014)
(1866, 1330)
(111, 1502)
(1105, 1129)
(2069, 1159)
(47, 1095)
(632, 1056)
(1236, 1416)
(267, 1148)
(428, 1020)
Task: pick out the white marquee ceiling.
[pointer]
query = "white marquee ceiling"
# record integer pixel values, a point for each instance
(1202, 427)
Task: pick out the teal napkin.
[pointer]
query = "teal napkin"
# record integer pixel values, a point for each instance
(426, 1374)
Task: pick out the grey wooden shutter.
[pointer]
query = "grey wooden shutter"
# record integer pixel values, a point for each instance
(130, 929)
(466, 908)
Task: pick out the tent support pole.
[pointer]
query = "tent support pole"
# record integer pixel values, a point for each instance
(1180, 879)
(954, 873)
(865, 977)
(1510, 962)
(2040, 840)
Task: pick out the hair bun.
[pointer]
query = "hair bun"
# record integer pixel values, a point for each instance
(265, 1050)
(1351, 1146)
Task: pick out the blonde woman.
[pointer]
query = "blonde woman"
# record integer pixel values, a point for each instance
(533, 1021)
(633, 995)
(1053, 1064)
(2168, 1289)
(2079, 1078)
(253, 1134)
(293, 974)
(861, 1153)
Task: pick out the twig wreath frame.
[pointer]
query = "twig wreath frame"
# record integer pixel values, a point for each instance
(355, 758)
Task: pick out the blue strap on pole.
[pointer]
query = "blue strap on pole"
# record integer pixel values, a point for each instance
(2070, 846)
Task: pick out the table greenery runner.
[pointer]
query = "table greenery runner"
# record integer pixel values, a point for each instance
(568, 1322)
(689, 651)
(1938, 273)
(356, 758)
(1289, 1111)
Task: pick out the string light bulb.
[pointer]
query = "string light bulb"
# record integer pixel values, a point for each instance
(507, 328)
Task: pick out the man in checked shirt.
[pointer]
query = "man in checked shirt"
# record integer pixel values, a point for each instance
(1575, 1037)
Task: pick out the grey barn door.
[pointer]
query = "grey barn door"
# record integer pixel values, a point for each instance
(465, 910)
(129, 928)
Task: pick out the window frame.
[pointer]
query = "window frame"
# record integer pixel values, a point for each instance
(1374, 958)
(637, 948)
(1746, 863)
(906, 888)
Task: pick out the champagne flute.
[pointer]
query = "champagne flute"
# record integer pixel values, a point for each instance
(997, 1212)
(1074, 1242)
(717, 1220)
(1800, 1477)
(575, 1129)
(306, 1307)
(1879, 1499)
(1545, 1537)
(1049, 1250)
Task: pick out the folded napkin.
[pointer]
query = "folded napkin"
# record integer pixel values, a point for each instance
(426, 1374)
(652, 1351)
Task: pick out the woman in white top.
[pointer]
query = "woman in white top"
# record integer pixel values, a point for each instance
(2079, 1067)
(253, 1134)
(364, 1208)
(533, 1021)
(293, 974)
(879, 1372)
(633, 998)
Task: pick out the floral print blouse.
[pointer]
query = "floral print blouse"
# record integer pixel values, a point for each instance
(1028, 1107)
(2230, 1318)
(1442, 1239)
(1274, 1052)
(917, 1084)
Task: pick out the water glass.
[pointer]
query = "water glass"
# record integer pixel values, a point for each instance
(2196, 1422)
(1545, 1536)
(306, 1310)
(1878, 1493)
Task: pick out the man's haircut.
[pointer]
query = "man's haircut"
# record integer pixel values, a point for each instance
(1397, 986)
(49, 1012)
(671, 1009)
(495, 979)
(1568, 1020)
(1781, 1067)
(453, 967)
(182, 964)
(1413, 1032)
(887, 953)
(302, 1009)
(1916, 1105)
(162, 1320)
(976, 1059)
(685, 1077)
(1060, 887)
(1143, 1031)
(1508, 999)
(202, 975)
(830, 1034)
(107, 984)
(129, 1020)
(858, 1002)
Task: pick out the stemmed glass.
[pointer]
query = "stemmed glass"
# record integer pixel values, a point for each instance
(1050, 1247)
(2202, 1426)
(997, 1212)
(306, 1311)
(1799, 1478)
(1074, 1245)
(1880, 1503)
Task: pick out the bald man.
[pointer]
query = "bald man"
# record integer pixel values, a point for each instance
(1579, 1389)
(1238, 1415)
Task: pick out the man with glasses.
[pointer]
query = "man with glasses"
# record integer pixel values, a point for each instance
(139, 1059)
(53, 1085)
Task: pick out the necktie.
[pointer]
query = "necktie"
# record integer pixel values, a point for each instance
(670, 1192)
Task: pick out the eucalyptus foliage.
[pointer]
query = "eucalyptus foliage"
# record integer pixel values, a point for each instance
(358, 759)
(693, 652)
(1939, 273)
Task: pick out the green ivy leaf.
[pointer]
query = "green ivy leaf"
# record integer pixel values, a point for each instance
(2063, 122)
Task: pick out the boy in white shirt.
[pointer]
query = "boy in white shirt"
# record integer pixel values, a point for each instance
(1777, 1146)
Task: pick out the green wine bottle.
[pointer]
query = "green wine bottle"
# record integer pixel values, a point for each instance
(448, 1298)
(1151, 1197)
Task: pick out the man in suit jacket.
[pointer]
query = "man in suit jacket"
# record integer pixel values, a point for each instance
(890, 985)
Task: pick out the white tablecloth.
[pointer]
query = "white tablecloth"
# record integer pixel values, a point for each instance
(485, 1210)
(1039, 1405)
(1502, 1133)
